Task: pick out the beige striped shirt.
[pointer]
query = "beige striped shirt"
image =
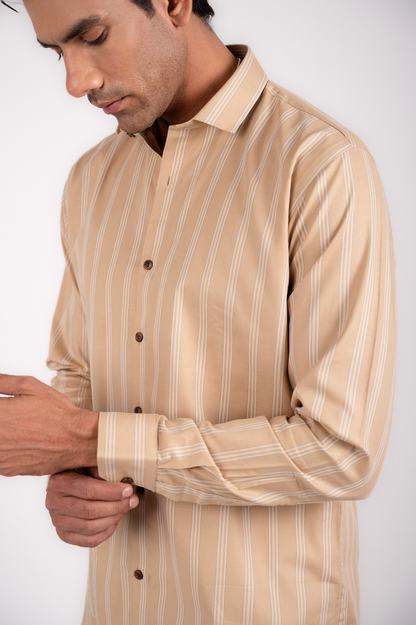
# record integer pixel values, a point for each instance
(228, 307)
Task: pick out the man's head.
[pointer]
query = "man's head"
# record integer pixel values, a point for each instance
(130, 57)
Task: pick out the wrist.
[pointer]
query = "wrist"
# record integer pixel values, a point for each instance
(86, 438)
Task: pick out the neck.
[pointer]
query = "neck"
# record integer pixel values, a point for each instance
(210, 65)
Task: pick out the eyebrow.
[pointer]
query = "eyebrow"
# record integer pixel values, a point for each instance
(77, 29)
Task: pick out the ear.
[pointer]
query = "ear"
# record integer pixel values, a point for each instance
(180, 11)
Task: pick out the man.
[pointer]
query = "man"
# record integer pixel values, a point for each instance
(227, 311)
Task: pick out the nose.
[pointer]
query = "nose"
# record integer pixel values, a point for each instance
(81, 76)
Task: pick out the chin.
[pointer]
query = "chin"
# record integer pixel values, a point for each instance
(133, 126)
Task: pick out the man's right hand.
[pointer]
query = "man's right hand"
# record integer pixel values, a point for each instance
(86, 510)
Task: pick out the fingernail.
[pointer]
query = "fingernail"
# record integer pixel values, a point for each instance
(127, 492)
(133, 501)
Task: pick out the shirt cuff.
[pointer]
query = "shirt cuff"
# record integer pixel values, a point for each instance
(127, 448)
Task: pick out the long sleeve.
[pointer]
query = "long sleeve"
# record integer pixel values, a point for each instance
(68, 351)
(340, 364)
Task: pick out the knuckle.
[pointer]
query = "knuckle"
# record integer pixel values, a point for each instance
(75, 484)
(64, 536)
(72, 478)
(54, 520)
(56, 508)
(58, 481)
(72, 539)
(53, 503)
(89, 490)
(94, 542)
(52, 511)
(90, 528)
(88, 511)
(91, 541)
(53, 481)
(84, 486)
(26, 381)
(73, 508)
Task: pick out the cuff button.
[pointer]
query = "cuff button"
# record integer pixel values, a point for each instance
(127, 480)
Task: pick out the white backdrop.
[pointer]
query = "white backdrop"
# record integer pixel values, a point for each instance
(355, 59)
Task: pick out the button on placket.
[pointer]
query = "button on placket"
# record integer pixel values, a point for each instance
(138, 574)
(138, 410)
(139, 337)
(148, 264)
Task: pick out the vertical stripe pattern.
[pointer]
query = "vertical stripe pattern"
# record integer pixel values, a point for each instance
(244, 376)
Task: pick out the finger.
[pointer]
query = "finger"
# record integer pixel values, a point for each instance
(85, 487)
(83, 509)
(81, 540)
(18, 384)
(83, 526)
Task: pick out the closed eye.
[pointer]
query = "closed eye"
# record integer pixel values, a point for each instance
(97, 41)
(94, 42)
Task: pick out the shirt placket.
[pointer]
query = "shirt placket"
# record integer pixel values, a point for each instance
(149, 271)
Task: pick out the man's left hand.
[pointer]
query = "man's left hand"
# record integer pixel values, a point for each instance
(42, 431)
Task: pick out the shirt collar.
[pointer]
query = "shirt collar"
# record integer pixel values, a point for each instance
(229, 107)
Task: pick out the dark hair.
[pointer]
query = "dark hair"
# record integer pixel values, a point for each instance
(199, 7)
(202, 9)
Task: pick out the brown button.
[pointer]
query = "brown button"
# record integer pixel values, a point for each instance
(148, 264)
(138, 574)
(140, 491)
(138, 410)
(139, 337)
(127, 480)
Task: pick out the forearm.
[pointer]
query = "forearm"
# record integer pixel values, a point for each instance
(42, 431)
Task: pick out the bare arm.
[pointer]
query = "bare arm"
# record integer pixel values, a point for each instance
(42, 431)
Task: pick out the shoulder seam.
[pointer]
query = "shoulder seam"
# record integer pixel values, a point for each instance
(328, 120)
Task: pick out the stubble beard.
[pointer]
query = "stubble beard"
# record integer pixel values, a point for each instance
(163, 88)
(153, 90)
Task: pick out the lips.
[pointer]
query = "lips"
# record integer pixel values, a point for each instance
(111, 106)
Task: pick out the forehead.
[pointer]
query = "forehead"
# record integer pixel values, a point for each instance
(52, 18)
